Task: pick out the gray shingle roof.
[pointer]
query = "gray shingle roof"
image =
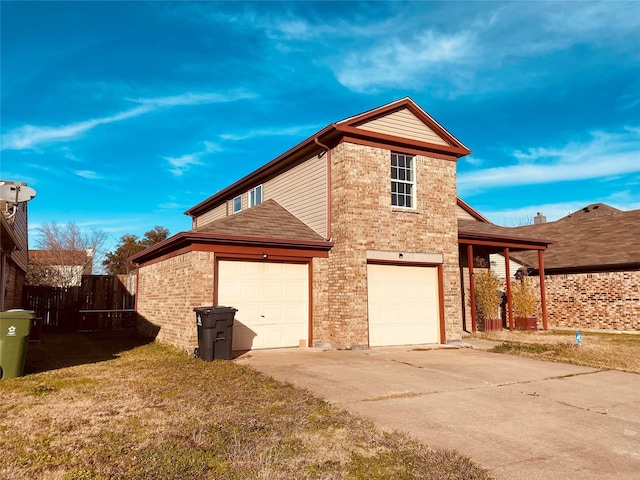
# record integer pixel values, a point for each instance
(595, 236)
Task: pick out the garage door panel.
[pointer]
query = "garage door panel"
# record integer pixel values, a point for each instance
(272, 301)
(403, 305)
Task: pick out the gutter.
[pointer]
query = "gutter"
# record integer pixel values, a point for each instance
(328, 150)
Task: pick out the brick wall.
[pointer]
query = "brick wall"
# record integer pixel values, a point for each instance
(167, 293)
(606, 300)
(363, 219)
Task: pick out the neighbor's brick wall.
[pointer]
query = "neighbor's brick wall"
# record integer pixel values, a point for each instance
(606, 300)
(167, 293)
(363, 219)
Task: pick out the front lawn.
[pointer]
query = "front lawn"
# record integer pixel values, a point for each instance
(107, 407)
(616, 351)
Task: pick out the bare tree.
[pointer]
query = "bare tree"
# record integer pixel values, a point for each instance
(66, 253)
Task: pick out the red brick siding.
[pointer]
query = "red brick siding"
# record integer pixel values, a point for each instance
(606, 300)
(167, 293)
(363, 219)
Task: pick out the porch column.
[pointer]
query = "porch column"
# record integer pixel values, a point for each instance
(472, 290)
(543, 295)
(507, 270)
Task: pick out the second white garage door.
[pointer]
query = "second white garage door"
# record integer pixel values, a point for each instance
(272, 301)
(403, 305)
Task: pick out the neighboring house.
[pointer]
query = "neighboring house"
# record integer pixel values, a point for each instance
(592, 271)
(14, 252)
(349, 239)
(65, 267)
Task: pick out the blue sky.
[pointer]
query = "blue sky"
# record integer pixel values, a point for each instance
(123, 115)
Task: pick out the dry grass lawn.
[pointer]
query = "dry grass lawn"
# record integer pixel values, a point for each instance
(615, 351)
(105, 407)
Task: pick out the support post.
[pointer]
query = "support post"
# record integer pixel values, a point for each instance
(507, 269)
(472, 290)
(543, 295)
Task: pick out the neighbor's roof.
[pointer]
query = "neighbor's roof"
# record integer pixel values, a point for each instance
(597, 237)
(331, 135)
(267, 220)
(59, 257)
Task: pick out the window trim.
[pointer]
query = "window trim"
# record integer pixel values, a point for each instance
(412, 182)
(253, 194)
(233, 204)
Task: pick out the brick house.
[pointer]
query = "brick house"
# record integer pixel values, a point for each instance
(592, 270)
(349, 239)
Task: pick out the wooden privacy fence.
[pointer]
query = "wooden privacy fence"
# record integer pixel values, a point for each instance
(101, 302)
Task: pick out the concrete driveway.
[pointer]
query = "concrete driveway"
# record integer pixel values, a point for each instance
(518, 417)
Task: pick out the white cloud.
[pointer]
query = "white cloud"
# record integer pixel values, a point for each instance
(183, 164)
(31, 137)
(88, 174)
(271, 132)
(604, 155)
(468, 59)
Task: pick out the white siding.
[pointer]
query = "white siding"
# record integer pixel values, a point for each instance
(302, 190)
(498, 267)
(403, 124)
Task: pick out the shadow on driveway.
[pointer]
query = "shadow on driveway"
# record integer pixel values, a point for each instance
(60, 350)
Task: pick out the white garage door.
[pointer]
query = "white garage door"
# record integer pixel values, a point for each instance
(403, 305)
(272, 301)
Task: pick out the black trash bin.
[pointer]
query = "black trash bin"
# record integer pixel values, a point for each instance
(215, 332)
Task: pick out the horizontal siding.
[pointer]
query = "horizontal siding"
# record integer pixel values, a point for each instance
(20, 228)
(214, 214)
(498, 266)
(463, 215)
(403, 124)
(302, 190)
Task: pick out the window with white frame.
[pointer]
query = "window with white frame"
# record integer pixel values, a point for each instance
(237, 204)
(255, 196)
(403, 183)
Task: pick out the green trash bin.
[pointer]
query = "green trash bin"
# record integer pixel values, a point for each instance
(15, 326)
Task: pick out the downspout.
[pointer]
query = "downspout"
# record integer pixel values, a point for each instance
(328, 150)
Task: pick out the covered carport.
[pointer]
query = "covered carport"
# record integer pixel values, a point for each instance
(477, 240)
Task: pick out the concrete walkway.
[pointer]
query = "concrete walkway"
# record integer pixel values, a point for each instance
(518, 417)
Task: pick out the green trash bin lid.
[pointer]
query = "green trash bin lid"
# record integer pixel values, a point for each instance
(17, 314)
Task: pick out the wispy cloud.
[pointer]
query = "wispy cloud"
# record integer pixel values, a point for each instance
(88, 174)
(183, 163)
(604, 155)
(271, 132)
(32, 137)
(467, 59)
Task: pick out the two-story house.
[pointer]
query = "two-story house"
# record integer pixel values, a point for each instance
(349, 239)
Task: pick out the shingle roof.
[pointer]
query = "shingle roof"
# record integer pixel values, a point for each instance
(61, 257)
(267, 220)
(469, 228)
(597, 237)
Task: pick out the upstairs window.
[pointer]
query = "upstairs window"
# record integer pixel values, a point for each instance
(237, 204)
(255, 196)
(403, 184)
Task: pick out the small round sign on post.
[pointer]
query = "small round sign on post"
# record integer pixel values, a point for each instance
(579, 338)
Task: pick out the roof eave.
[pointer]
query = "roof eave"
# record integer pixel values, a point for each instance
(471, 236)
(307, 146)
(184, 239)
